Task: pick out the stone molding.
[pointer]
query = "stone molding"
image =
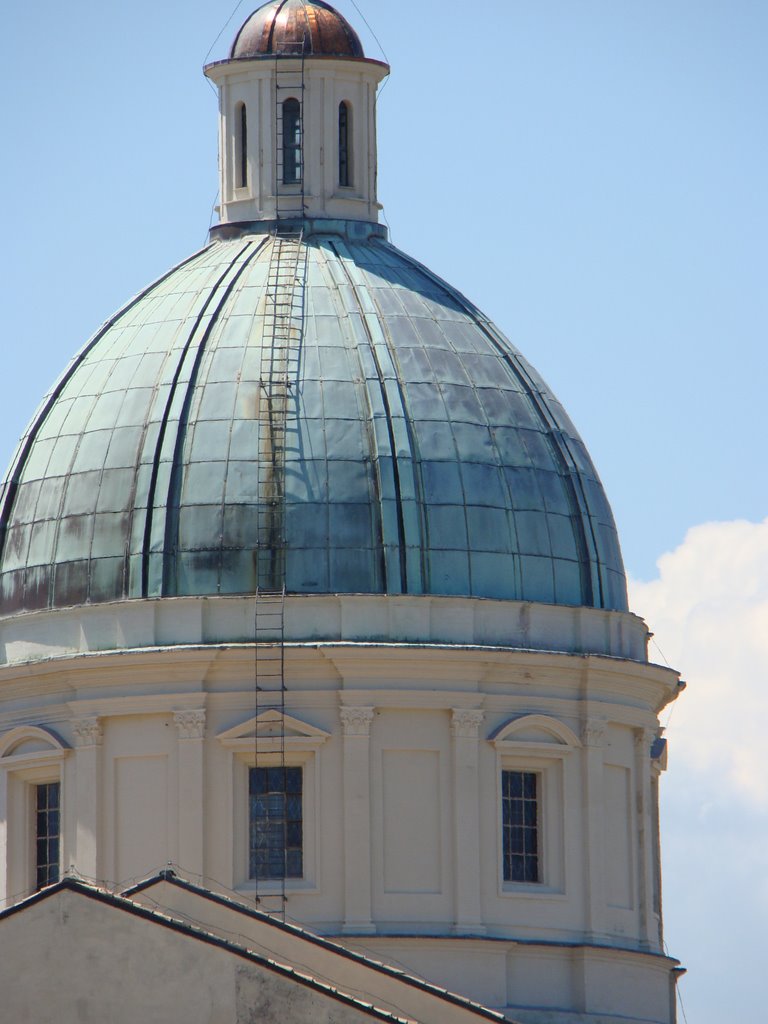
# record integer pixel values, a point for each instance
(465, 723)
(511, 626)
(593, 732)
(356, 721)
(190, 724)
(88, 732)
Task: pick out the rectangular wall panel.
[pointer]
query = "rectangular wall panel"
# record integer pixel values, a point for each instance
(618, 837)
(141, 815)
(411, 783)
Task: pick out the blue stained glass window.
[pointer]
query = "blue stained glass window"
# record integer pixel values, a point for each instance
(275, 823)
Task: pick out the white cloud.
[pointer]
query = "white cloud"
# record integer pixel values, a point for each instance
(708, 609)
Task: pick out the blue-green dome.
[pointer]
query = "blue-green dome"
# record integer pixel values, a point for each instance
(423, 455)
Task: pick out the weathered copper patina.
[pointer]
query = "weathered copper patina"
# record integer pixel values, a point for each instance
(292, 27)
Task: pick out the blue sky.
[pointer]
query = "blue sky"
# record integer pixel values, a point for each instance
(592, 173)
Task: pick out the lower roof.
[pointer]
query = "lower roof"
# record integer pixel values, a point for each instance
(125, 953)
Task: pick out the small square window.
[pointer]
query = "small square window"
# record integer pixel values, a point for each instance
(520, 826)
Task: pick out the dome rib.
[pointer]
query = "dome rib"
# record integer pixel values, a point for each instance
(386, 480)
(395, 411)
(172, 502)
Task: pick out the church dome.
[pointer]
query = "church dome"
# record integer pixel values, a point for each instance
(308, 586)
(290, 27)
(422, 454)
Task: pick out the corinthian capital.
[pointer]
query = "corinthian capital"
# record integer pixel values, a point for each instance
(88, 732)
(593, 733)
(465, 722)
(356, 721)
(190, 724)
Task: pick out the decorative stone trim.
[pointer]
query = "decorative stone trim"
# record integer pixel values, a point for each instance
(426, 619)
(190, 724)
(465, 723)
(644, 739)
(14, 738)
(545, 735)
(593, 733)
(88, 732)
(356, 721)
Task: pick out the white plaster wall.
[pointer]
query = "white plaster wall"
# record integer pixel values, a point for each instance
(411, 819)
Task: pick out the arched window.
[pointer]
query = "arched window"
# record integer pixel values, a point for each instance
(31, 773)
(291, 142)
(241, 132)
(345, 144)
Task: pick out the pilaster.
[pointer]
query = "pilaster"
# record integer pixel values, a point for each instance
(190, 727)
(645, 839)
(465, 727)
(88, 772)
(5, 866)
(356, 725)
(593, 738)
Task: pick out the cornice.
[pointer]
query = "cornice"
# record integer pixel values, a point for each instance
(492, 676)
(139, 704)
(151, 624)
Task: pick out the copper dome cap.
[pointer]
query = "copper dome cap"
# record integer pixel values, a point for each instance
(295, 27)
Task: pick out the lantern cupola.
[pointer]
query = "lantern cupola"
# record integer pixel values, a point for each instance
(297, 104)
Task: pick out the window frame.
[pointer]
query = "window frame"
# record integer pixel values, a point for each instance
(21, 775)
(540, 745)
(269, 741)
(242, 165)
(307, 761)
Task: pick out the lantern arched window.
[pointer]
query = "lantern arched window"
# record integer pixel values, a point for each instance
(345, 144)
(291, 142)
(241, 140)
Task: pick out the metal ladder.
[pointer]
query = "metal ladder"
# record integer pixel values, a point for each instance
(281, 342)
